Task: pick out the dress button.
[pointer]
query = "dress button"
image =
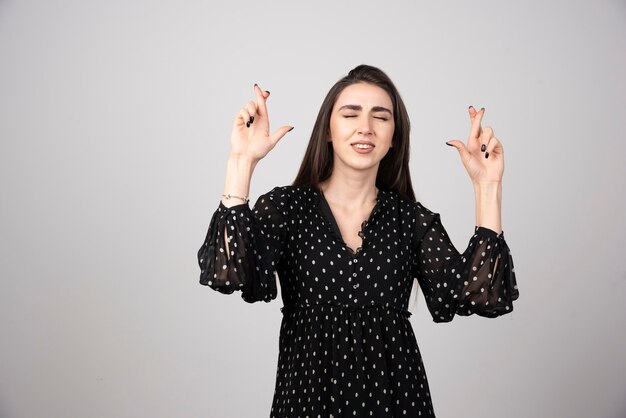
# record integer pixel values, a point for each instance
(356, 285)
(353, 274)
(355, 260)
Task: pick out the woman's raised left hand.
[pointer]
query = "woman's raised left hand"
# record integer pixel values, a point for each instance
(483, 156)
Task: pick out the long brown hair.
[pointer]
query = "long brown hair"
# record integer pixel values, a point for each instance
(393, 171)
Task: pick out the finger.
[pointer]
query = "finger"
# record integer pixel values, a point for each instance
(486, 135)
(260, 101)
(243, 118)
(472, 113)
(476, 129)
(494, 146)
(252, 110)
(280, 132)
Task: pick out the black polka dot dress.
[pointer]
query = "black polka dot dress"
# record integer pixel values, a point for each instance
(347, 348)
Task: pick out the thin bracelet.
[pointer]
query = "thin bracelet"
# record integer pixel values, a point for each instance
(244, 198)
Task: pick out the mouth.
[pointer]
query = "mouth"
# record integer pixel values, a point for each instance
(362, 145)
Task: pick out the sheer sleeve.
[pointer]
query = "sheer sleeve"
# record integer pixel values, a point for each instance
(255, 244)
(480, 281)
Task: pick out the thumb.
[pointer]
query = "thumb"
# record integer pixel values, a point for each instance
(280, 132)
(460, 146)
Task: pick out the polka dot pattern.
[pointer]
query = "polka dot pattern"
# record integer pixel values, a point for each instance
(346, 345)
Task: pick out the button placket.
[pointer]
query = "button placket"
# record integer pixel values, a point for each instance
(356, 255)
(355, 260)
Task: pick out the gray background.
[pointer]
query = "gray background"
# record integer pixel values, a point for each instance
(115, 121)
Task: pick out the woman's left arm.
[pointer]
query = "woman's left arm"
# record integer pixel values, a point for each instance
(481, 280)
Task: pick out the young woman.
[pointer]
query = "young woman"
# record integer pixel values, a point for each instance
(347, 239)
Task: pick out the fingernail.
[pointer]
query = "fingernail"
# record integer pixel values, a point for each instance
(290, 129)
(449, 144)
(256, 85)
(267, 91)
(247, 124)
(483, 147)
(470, 107)
(482, 109)
(251, 119)
(486, 155)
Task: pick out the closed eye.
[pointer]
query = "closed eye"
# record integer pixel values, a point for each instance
(375, 117)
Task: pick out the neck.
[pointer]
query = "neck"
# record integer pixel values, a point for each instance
(350, 192)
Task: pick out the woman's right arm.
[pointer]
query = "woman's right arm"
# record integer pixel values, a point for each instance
(239, 241)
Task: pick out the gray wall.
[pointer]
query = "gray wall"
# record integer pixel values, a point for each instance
(115, 120)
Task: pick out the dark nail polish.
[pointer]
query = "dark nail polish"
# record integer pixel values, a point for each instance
(251, 119)
(255, 84)
(267, 91)
(247, 124)
(486, 155)
(449, 144)
(470, 107)
(290, 129)
(483, 147)
(482, 109)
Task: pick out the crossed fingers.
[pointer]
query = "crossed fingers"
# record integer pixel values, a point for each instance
(479, 136)
(248, 112)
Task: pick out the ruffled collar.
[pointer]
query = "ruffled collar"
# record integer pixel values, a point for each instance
(323, 210)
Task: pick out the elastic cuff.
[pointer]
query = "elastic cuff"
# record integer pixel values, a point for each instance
(224, 208)
(487, 232)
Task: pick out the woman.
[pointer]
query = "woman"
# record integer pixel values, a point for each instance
(347, 239)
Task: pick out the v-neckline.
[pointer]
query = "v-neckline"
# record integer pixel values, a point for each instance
(333, 222)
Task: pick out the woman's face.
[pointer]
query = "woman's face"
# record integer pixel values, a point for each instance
(362, 114)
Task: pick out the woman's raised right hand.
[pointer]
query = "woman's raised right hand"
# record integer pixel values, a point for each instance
(250, 137)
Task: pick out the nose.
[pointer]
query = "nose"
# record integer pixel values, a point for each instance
(365, 127)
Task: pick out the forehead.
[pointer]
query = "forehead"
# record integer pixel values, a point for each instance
(364, 94)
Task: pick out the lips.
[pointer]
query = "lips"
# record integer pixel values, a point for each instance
(363, 142)
(362, 147)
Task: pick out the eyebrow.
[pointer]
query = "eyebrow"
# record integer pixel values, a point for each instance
(359, 107)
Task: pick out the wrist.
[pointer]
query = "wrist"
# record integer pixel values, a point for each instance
(488, 194)
(239, 171)
(487, 185)
(242, 161)
(240, 167)
(488, 200)
(488, 191)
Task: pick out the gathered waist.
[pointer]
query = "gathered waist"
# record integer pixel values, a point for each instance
(293, 308)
